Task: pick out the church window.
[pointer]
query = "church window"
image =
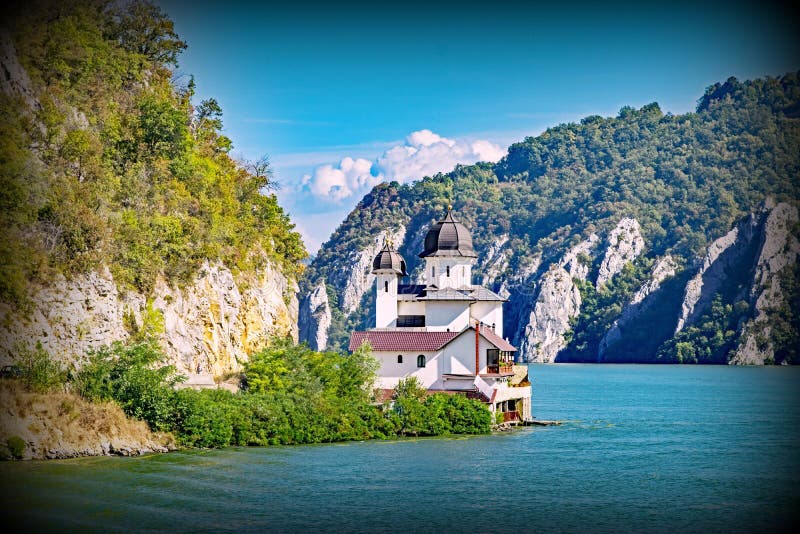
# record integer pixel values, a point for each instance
(399, 358)
(421, 360)
(386, 286)
(433, 272)
(448, 271)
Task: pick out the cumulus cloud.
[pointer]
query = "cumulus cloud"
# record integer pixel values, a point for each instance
(423, 153)
(342, 181)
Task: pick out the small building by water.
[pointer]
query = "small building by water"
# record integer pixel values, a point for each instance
(445, 331)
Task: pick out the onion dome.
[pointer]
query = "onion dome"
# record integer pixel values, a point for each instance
(448, 237)
(389, 260)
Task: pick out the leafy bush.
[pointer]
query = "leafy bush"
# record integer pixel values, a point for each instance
(16, 446)
(420, 414)
(39, 372)
(134, 376)
(125, 171)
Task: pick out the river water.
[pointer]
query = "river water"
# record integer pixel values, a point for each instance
(642, 448)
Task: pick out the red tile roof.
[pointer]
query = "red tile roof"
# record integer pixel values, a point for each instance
(496, 340)
(383, 340)
(393, 340)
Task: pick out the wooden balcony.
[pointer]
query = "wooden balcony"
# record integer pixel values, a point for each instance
(500, 369)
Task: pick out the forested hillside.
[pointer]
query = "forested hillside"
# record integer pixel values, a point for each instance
(595, 230)
(118, 187)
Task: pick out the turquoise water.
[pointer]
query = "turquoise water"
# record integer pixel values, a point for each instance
(643, 448)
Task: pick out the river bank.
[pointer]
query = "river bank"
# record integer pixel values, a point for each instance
(641, 448)
(39, 426)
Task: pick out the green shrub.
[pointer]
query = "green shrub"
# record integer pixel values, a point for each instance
(135, 377)
(203, 418)
(16, 446)
(40, 373)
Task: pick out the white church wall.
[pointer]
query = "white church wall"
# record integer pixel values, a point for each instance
(386, 301)
(460, 271)
(410, 308)
(489, 313)
(391, 372)
(444, 315)
(459, 354)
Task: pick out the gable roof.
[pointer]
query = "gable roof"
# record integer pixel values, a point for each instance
(496, 340)
(392, 340)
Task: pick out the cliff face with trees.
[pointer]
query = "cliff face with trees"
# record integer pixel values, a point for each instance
(121, 206)
(645, 237)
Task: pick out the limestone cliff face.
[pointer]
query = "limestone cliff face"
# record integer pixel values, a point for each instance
(578, 259)
(780, 249)
(351, 278)
(558, 301)
(356, 277)
(14, 79)
(664, 268)
(213, 324)
(624, 245)
(315, 318)
(720, 256)
(496, 260)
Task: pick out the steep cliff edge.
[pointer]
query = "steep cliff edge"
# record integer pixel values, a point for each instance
(608, 241)
(121, 202)
(212, 325)
(778, 257)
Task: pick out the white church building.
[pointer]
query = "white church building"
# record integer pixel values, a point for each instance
(447, 332)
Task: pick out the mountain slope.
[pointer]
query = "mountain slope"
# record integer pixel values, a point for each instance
(121, 205)
(612, 216)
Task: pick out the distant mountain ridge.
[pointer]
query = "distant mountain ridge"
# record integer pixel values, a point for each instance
(646, 237)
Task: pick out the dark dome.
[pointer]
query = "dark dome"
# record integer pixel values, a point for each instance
(448, 237)
(389, 259)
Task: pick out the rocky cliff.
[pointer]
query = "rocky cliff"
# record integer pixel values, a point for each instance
(210, 326)
(122, 208)
(609, 242)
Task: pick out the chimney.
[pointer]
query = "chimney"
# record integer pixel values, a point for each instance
(477, 344)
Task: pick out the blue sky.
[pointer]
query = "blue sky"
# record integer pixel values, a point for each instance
(335, 93)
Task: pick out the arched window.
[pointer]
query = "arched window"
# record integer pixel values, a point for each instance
(448, 271)
(421, 360)
(386, 286)
(433, 272)
(399, 358)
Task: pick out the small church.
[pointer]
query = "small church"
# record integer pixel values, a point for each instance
(446, 331)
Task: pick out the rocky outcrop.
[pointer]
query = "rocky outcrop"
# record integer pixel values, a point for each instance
(496, 260)
(217, 322)
(720, 256)
(558, 301)
(663, 268)
(210, 326)
(542, 329)
(578, 260)
(780, 249)
(62, 425)
(351, 278)
(624, 244)
(14, 80)
(315, 318)
(355, 277)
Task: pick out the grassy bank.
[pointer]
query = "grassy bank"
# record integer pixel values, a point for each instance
(290, 395)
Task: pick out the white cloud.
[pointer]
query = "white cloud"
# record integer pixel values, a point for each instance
(424, 153)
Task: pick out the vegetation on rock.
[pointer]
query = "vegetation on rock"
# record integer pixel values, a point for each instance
(106, 158)
(687, 179)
